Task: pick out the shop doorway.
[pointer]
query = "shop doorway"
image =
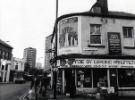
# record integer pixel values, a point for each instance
(69, 76)
(113, 79)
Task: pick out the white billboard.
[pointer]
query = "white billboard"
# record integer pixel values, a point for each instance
(68, 36)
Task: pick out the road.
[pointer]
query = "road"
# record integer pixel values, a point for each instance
(13, 91)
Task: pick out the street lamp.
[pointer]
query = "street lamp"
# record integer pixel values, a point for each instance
(55, 54)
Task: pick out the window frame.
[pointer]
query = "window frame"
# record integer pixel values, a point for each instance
(0, 51)
(96, 26)
(126, 34)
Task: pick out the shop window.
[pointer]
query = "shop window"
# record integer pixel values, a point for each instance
(126, 77)
(100, 77)
(95, 34)
(84, 78)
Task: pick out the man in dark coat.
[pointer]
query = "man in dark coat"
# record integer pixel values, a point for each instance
(35, 81)
(44, 84)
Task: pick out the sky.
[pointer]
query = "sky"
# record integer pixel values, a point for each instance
(26, 23)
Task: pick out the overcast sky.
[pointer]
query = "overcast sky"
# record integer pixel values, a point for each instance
(26, 23)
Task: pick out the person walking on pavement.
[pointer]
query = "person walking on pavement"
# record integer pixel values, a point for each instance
(44, 84)
(35, 81)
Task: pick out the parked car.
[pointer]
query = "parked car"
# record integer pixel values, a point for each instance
(19, 80)
(19, 77)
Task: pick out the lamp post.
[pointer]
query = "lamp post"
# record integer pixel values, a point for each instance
(55, 54)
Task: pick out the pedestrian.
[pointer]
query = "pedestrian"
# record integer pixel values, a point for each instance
(35, 81)
(44, 84)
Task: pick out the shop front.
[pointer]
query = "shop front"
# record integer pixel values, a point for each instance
(113, 75)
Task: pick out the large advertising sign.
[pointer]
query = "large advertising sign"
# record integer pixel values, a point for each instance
(68, 32)
(97, 63)
(114, 43)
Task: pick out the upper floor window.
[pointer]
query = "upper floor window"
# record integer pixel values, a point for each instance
(16, 67)
(3, 54)
(128, 35)
(128, 32)
(95, 34)
(6, 66)
(8, 55)
(2, 67)
(0, 52)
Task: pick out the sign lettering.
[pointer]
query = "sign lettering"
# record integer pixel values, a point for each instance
(101, 63)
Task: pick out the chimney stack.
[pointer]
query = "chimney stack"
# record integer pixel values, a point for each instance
(104, 6)
(100, 7)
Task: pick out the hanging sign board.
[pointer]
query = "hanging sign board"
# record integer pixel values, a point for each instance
(114, 43)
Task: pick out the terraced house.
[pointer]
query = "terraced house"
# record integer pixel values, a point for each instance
(5, 61)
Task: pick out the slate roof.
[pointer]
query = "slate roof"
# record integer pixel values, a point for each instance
(4, 43)
(111, 14)
(116, 13)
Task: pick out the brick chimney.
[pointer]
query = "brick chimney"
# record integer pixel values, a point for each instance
(104, 5)
(100, 7)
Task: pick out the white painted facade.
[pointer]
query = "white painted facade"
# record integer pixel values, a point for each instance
(5, 70)
(18, 64)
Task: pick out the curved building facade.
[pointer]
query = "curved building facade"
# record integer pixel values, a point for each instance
(98, 49)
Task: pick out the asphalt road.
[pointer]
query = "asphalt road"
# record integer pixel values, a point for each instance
(13, 91)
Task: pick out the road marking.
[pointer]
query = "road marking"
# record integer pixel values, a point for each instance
(23, 96)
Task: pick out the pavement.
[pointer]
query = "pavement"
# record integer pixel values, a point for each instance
(49, 96)
(6, 82)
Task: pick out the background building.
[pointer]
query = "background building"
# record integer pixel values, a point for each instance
(5, 61)
(17, 64)
(48, 50)
(96, 48)
(29, 56)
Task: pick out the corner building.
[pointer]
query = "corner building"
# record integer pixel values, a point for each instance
(97, 47)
